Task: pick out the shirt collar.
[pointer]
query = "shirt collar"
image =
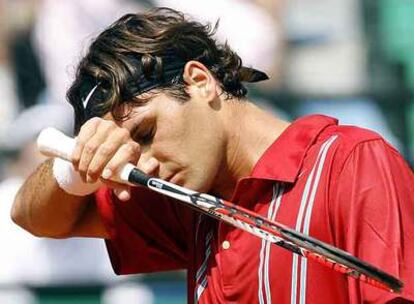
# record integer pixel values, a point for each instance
(283, 159)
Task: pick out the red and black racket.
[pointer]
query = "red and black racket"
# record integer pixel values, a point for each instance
(53, 143)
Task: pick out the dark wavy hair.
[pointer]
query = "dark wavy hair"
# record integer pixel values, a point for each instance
(144, 48)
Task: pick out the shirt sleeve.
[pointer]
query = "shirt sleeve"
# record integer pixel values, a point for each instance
(148, 233)
(374, 218)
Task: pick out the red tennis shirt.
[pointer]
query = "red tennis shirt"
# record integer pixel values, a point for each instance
(340, 184)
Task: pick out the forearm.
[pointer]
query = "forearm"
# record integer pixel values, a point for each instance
(44, 209)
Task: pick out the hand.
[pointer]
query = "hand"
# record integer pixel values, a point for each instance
(102, 148)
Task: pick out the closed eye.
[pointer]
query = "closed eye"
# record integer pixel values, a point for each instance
(147, 138)
(144, 136)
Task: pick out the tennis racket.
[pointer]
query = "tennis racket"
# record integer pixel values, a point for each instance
(52, 142)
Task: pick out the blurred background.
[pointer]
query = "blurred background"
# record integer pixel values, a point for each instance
(352, 59)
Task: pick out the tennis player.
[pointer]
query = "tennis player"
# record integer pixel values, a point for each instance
(157, 90)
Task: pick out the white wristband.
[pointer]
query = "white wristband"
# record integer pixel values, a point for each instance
(70, 180)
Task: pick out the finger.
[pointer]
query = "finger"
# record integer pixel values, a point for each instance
(111, 183)
(104, 153)
(122, 191)
(150, 166)
(123, 194)
(91, 147)
(85, 133)
(127, 153)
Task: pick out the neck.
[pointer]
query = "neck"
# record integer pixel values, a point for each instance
(249, 132)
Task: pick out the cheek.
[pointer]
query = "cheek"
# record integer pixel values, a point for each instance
(189, 140)
(168, 142)
(176, 146)
(192, 154)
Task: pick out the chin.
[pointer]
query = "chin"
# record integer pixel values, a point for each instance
(199, 185)
(189, 184)
(196, 183)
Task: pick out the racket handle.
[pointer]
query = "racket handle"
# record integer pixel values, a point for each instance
(53, 143)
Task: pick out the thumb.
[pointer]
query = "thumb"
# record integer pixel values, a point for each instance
(123, 193)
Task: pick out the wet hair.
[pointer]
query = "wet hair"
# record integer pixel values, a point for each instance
(148, 51)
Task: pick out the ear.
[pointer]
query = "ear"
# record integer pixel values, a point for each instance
(200, 82)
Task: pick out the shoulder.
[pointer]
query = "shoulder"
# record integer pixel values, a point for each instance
(364, 159)
(352, 141)
(360, 153)
(350, 137)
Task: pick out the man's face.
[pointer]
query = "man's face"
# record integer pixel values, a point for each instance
(186, 138)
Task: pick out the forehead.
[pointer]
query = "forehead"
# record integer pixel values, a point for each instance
(145, 107)
(135, 114)
(135, 111)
